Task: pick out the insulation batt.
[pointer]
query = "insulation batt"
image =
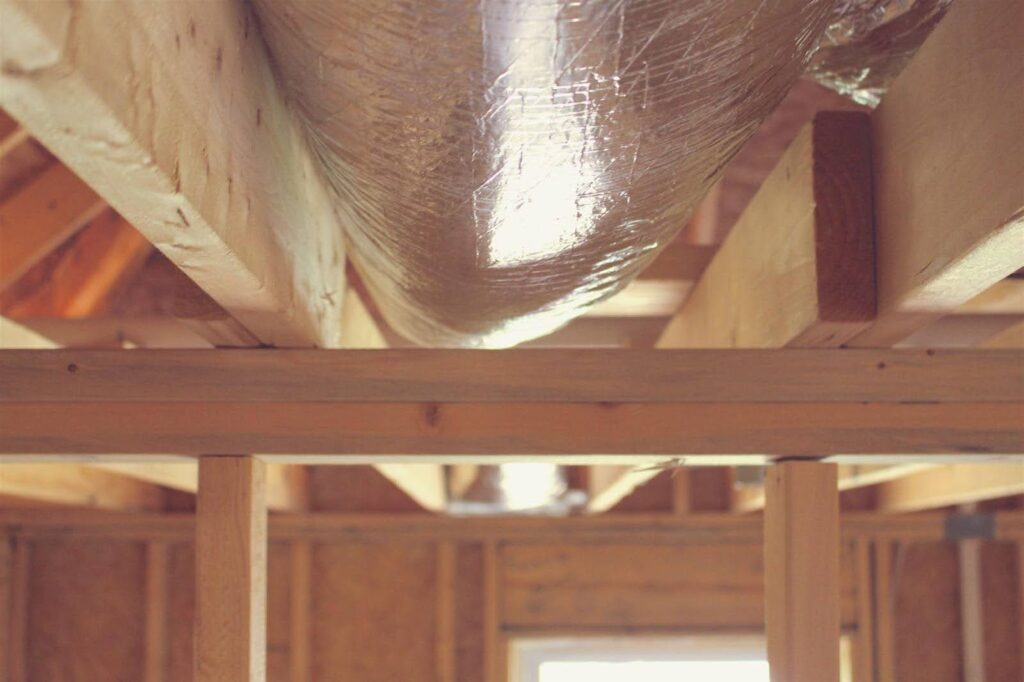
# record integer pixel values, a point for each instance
(504, 164)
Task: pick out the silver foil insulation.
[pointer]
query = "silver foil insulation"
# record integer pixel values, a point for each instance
(504, 164)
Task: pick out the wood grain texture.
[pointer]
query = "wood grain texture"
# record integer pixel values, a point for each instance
(949, 170)
(798, 268)
(300, 663)
(663, 528)
(102, 636)
(178, 123)
(374, 612)
(513, 376)
(621, 586)
(802, 572)
(155, 662)
(950, 485)
(447, 403)
(40, 216)
(231, 571)
(79, 485)
(589, 433)
(80, 278)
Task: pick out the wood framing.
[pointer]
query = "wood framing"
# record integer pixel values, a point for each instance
(41, 215)
(389, 403)
(703, 528)
(802, 583)
(79, 485)
(950, 485)
(231, 571)
(286, 485)
(949, 170)
(79, 278)
(177, 122)
(797, 270)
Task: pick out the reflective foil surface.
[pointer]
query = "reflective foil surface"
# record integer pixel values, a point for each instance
(504, 164)
(870, 41)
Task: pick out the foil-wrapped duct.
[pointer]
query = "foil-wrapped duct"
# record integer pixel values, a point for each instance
(870, 41)
(504, 164)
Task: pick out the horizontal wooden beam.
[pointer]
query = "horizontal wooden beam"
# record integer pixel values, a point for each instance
(79, 485)
(343, 528)
(77, 376)
(171, 112)
(389, 403)
(287, 486)
(949, 486)
(949, 170)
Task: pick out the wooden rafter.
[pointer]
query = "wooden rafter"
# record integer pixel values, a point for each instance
(204, 157)
(796, 270)
(79, 485)
(950, 485)
(33, 222)
(387, 403)
(949, 170)
(79, 278)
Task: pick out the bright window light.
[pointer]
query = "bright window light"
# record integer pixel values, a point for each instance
(655, 671)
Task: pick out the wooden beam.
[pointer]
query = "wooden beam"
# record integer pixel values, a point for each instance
(80, 277)
(797, 269)
(198, 149)
(885, 607)
(79, 485)
(949, 206)
(950, 485)
(42, 215)
(660, 528)
(231, 571)
(287, 486)
(972, 607)
(300, 663)
(802, 572)
(156, 643)
(391, 402)
(17, 652)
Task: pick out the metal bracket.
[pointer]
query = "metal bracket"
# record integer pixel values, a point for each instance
(970, 527)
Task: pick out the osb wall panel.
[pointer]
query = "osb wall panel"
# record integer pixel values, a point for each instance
(927, 614)
(375, 612)
(635, 586)
(86, 611)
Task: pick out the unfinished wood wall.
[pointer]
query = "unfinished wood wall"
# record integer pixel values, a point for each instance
(420, 611)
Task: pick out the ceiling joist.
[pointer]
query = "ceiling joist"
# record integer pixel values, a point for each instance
(432, 405)
(204, 158)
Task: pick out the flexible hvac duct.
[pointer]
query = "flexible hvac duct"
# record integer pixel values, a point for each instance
(869, 42)
(503, 164)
